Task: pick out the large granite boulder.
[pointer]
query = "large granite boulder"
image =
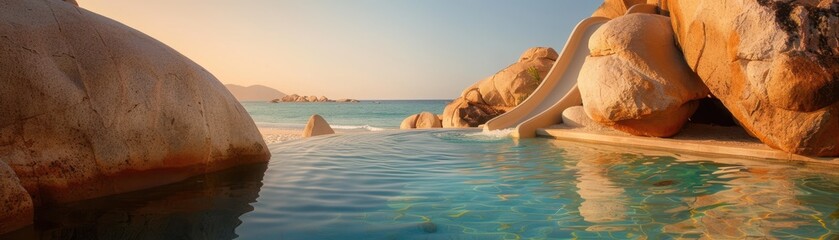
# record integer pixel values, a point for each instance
(92, 107)
(503, 91)
(423, 120)
(774, 65)
(635, 79)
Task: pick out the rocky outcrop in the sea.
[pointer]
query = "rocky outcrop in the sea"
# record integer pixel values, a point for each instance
(774, 65)
(317, 126)
(423, 120)
(92, 107)
(298, 98)
(496, 94)
(636, 79)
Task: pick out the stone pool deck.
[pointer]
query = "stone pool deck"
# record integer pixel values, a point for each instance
(695, 138)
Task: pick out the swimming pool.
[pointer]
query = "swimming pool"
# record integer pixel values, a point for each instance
(441, 184)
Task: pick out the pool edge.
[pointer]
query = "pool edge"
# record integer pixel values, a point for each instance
(750, 151)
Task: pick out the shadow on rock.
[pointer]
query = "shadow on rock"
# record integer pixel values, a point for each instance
(202, 207)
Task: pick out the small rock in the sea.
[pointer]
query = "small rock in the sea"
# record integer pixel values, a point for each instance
(664, 183)
(317, 126)
(428, 227)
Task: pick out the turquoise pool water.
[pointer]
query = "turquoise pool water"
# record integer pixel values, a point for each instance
(466, 185)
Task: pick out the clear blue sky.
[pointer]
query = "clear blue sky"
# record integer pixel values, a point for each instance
(365, 49)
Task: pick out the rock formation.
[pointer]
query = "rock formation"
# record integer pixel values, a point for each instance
(616, 8)
(636, 79)
(16, 210)
(496, 94)
(92, 108)
(317, 126)
(773, 64)
(423, 120)
(298, 98)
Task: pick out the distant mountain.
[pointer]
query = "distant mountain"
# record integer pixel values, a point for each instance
(254, 93)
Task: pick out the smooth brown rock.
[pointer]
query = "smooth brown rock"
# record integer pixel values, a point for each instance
(72, 2)
(773, 64)
(615, 8)
(317, 126)
(511, 86)
(498, 93)
(427, 120)
(16, 209)
(636, 80)
(410, 122)
(423, 120)
(92, 107)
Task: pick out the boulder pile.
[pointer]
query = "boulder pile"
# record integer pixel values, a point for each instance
(298, 98)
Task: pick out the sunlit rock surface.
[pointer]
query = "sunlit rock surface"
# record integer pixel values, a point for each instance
(617, 8)
(423, 120)
(92, 107)
(635, 79)
(498, 93)
(317, 126)
(774, 65)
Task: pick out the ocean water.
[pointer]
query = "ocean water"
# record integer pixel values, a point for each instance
(439, 184)
(370, 115)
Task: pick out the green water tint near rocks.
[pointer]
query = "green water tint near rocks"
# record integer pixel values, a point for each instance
(466, 185)
(562, 199)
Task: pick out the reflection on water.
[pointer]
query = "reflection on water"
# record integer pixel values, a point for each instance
(206, 207)
(602, 200)
(467, 185)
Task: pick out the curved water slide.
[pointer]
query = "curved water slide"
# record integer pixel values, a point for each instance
(558, 90)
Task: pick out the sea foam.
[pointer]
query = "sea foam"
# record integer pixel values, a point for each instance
(492, 134)
(364, 127)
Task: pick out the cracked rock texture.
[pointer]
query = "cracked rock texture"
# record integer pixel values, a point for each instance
(774, 65)
(636, 80)
(15, 204)
(92, 108)
(498, 93)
